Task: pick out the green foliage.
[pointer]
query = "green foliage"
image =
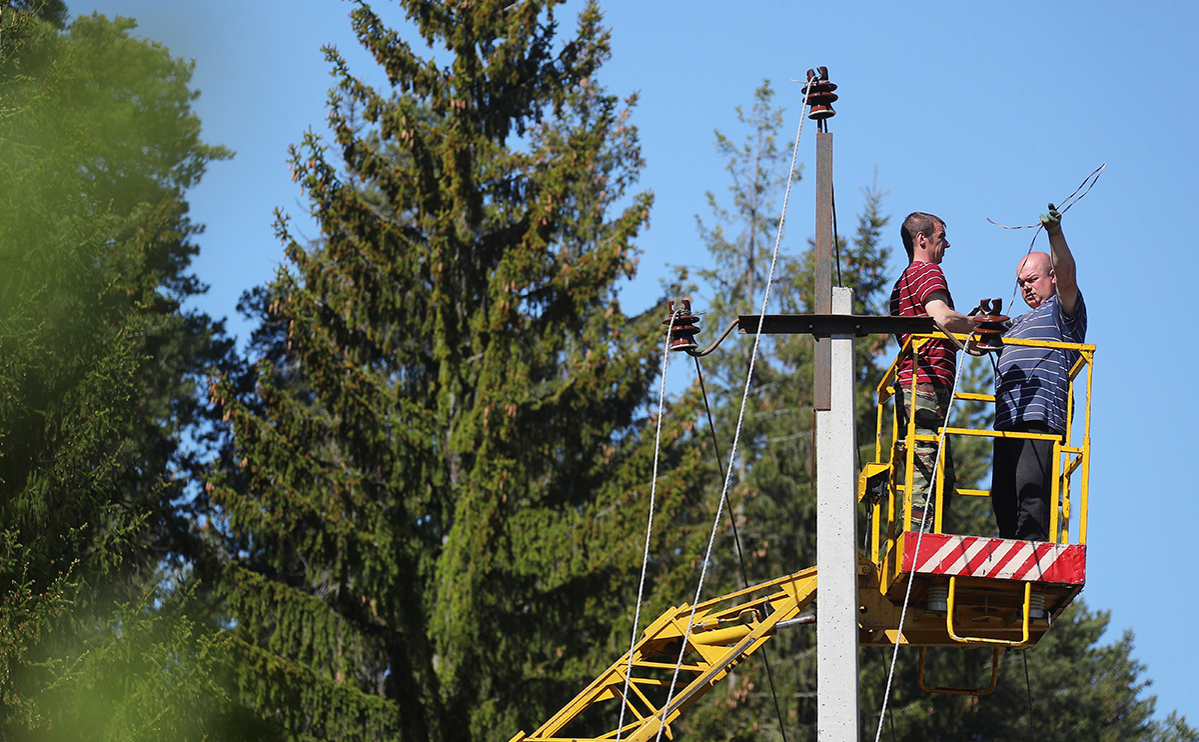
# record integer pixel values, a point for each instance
(439, 466)
(147, 671)
(53, 12)
(98, 364)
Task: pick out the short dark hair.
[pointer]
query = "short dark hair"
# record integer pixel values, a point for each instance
(915, 223)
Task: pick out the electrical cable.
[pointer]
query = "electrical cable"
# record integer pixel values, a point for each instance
(932, 480)
(720, 466)
(1063, 206)
(1028, 687)
(832, 192)
(701, 353)
(837, 247)
(649, 528)
(1066, 203)
(737, 541)
(737, 433)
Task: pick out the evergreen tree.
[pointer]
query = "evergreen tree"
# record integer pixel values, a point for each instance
(99, 365)
(439, 465)
(53, 12)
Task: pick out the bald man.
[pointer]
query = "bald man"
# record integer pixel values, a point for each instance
(1032, 386)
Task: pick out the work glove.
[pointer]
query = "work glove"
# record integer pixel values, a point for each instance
(1052, 222)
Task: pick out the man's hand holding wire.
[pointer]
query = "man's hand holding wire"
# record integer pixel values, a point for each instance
(1052, 222)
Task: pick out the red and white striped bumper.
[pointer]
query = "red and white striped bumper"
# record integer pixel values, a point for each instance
(995, 558)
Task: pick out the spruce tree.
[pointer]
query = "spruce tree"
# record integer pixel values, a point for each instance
(438, 474)
(99, 362)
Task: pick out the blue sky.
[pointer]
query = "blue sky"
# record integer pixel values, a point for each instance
(967, 110)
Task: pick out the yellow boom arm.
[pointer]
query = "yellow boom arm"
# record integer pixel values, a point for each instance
(720, 638)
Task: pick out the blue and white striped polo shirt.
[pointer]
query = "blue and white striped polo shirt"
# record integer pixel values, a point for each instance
(1031, 384)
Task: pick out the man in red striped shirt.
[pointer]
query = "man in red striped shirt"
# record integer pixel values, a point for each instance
(921, 291)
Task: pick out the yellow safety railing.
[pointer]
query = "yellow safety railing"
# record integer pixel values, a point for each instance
(895, 449)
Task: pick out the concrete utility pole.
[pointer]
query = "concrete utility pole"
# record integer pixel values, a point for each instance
(836, 516)
(836, 546)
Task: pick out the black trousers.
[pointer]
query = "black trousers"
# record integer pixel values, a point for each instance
(1021, 483)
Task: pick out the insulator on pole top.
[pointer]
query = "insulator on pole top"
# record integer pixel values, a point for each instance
(683, 324)
(820, 94)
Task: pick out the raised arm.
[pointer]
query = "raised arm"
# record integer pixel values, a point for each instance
(1064, 272)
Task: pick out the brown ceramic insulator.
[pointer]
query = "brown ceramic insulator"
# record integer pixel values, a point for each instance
(820, 94)
(990, 328)
(684, 326)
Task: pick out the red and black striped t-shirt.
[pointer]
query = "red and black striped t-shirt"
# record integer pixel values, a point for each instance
(937, 357)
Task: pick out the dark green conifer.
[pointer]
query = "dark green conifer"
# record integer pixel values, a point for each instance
(99, 362)
(439, 470)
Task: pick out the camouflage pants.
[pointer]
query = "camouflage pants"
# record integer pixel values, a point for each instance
(932, 407)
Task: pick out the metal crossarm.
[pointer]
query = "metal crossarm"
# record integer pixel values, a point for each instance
(726, 630)
(826, 325)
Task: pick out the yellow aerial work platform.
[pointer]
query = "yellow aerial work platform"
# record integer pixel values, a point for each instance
(959, 590)
(970, 589)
